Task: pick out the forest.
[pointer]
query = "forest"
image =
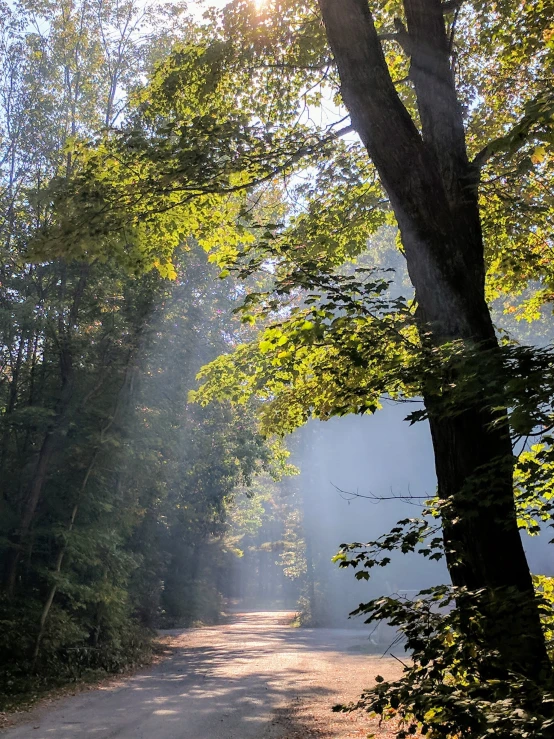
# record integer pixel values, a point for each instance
(232, 233)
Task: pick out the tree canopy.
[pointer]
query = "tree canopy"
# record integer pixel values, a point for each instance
(308, 147)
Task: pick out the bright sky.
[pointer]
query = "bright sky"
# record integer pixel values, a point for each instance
(198, 7)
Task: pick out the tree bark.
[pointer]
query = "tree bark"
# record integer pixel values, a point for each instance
(12, 399)
(433, 192)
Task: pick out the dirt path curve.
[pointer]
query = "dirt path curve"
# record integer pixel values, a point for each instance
(255, 678)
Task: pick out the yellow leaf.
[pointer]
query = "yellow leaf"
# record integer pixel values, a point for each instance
(538, 155)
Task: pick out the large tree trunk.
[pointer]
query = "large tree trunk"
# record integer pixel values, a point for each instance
(432, 189)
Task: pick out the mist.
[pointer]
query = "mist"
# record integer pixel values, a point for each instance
(379, 456)
(358, 476)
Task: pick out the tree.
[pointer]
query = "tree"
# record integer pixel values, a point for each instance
(115, 490)
(63, 65)
(433, 191)
(437, 157)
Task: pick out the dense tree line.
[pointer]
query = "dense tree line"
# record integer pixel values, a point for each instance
(115, 489)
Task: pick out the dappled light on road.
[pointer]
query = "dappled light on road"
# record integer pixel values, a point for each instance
(234, 681)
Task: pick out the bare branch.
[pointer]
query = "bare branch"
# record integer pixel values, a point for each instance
(348, 495)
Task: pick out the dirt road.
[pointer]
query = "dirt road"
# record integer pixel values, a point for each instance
(256, 678)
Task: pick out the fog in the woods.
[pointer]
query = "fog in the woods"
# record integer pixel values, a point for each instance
(359, 475)
(212, 233)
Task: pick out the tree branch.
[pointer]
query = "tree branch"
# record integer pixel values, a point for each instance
(349, 495)
(439, 109)
(451, 6)
(538, 111)
(377, 113)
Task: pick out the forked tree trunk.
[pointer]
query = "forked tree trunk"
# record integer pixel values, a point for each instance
(433, 191)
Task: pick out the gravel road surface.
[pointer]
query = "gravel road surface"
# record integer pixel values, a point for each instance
(254, 678)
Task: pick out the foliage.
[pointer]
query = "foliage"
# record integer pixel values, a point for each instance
(115, 489)
(454, 684)
(336, 353)
(159, 176)
(332, 342)
(533, 481)
(266, 531)
(545, 588)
